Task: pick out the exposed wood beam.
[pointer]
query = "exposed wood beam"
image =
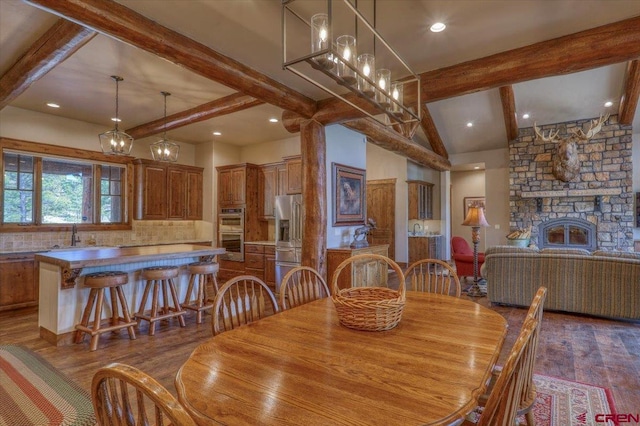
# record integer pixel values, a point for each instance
(430, 130)
(226, 105)
(596, 47)
(52, 48)
(629, 100)
(509, 111)
(392, 141)
(128, 26)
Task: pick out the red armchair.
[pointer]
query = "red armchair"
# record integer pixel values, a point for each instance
(462, 255)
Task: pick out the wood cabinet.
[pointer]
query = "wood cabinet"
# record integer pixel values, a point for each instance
(166, 191)
(271, 183)
(431, 247)
(229, 269)
(18, 281)
(351, 276)
(232, 181)
(420, 199)
(636, 245)
(270, 266)
(260, 261)
(294, 174)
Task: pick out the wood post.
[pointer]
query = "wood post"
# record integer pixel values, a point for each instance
(314, 192)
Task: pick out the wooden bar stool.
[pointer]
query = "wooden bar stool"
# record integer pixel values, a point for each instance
(160, 278)
(201, 274)
(98, 282)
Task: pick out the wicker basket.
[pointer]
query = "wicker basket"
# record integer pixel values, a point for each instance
(368, 308)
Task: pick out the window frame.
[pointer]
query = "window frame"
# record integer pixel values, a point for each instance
(39, 150)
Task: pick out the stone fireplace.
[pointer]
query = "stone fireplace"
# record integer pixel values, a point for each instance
(594, 210)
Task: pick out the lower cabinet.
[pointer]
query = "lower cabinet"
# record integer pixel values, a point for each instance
(426, 248)
(352, 276)
(259, 261)
(18, 281)
(254, 260)
(229, 269)
(270, 266)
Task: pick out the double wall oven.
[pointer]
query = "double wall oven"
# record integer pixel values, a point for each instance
(231, 233)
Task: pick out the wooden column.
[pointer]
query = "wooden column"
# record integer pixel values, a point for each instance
(314, 192)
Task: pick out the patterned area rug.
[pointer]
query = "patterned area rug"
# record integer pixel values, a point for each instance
(565, 403)
(34, 393)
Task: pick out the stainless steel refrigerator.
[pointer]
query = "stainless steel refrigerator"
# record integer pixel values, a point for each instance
(288, 234)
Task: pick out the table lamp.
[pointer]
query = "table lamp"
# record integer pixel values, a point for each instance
(475, 219)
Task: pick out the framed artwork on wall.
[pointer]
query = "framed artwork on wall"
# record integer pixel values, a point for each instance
(472, 201)
(637, 209)
(349, 195)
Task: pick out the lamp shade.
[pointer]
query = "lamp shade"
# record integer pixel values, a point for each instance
(475, 217)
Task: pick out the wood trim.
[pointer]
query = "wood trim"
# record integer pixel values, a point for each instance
(509, 111)
(382, 181)
(47, 149)
(430, 130)
(391, 141)
(596, 47)
(56, 339)
(128, 26)
(226, 105)
(52, 48)
(629, 100)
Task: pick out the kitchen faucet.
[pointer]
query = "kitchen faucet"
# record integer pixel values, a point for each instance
(74, 235)
(414, 228)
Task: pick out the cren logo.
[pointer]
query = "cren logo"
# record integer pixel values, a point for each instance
(618, 418)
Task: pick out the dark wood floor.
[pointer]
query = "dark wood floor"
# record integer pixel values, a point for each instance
(590, 350)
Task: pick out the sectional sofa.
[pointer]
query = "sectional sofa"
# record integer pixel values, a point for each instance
(602, 283)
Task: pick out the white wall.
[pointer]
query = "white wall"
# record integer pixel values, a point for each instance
(270, 152)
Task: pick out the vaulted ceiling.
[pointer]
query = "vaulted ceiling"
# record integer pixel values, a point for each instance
(495, 61)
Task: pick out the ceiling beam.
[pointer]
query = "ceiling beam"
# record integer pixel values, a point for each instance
(430, 130)
(596, 47)
(629, 100)
(391, 140)
(128, 26)
(52, 48)
(226, 105)
(509, 111)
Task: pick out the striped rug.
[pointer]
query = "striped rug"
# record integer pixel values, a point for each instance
(34, 393)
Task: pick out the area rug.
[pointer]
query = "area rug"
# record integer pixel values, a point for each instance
(34, 393)
(562, 402)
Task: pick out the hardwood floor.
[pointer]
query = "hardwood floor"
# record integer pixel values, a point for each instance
(586, 349)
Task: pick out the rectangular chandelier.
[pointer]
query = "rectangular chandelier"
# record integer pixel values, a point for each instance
(358, 58)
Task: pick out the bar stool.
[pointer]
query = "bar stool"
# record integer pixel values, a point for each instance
(98, 282)
(160, 278)
(201, 273)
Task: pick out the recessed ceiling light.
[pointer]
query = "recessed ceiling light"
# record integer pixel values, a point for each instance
(117, 120)
(273, 120)
(476, 167)
(53, 105)
(437, 27)
(217, 134)
(608, 104)
(525, 116)
(469, 124)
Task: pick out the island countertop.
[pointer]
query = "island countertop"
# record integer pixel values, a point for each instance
(87, 257)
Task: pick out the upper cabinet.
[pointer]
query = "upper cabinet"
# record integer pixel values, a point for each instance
(294, 174)
(420, 199)
(272, 181)
(167, 191)
(232, 185)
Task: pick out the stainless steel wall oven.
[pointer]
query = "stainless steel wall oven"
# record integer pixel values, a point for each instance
(231, 233)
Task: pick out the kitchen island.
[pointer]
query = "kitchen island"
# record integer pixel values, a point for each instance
(63, 296)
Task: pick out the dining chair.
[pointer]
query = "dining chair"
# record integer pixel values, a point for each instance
(501, 407)
(528, 396)
(302, 285)
(122, 394)
(432, 276)
(242, 300)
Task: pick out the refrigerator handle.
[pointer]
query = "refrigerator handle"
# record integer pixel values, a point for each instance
(298, 222)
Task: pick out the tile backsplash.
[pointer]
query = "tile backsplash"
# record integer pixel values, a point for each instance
(142, 233)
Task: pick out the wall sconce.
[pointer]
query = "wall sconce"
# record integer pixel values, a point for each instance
(538, 205)
(597, 203)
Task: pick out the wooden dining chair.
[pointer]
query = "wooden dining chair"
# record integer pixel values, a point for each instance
(242, 300)
(432, 276)
(302, 285)
(501, 407)
(123, 395)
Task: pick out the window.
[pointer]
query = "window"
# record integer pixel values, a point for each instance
(41, 191)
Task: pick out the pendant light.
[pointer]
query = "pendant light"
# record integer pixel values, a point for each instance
(164, 149)
(115, 141)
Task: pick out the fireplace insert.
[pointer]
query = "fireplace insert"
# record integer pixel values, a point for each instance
(567, 233)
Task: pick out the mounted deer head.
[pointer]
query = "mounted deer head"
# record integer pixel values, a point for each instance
(566, 163)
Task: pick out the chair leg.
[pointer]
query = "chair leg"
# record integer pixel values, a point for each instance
(176, 302)
(187, 297)
(202, 284)
(125, 313)
(531, 421)
(95, 334)
(154, 308)
(79, 334)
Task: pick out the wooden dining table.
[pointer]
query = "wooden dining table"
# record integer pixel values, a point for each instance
(301, 367)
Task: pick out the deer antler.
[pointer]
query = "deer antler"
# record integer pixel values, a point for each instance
(596, 126)
(553, 137)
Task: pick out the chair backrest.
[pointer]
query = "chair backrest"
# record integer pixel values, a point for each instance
(124, 395)
(242, 300)
(460, 246)
(366, 270)
(432, 276)
(302, 285)
(502, 406)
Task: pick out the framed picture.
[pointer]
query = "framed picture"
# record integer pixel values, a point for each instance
(637, 209)
(349, 195)
(472, 201)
